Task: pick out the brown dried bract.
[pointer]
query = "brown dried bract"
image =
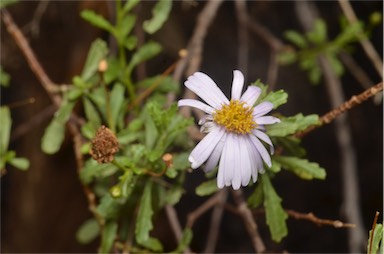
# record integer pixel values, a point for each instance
(104, 145)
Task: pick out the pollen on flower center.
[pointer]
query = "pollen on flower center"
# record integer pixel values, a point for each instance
(235, 117)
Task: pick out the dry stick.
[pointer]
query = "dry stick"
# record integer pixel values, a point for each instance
(249, 221)
(307, 12)
(242, 50)
(311, 217)
(355, 100)
(369, 251)
(215, 223)
(51, 88)
(365, 43)
(34, 25)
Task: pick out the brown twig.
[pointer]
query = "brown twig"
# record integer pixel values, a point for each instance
(365, 43)
(175, 224)
(249, 221)
(320, 222)
(215, 223)
(352, 102)
(242, 56)
(369, 251)
(34, 24)
(51, 88)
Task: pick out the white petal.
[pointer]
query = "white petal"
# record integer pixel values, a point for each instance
(237, 85)
(256, 161)
(266, 120)
(226, 165)
(245, 158)
(262, 150)
(238, 163)
(205, 147)
(196, 104)
(215, 156)
(251, 95)
(262, 109)
(264, 137)
(202, 85)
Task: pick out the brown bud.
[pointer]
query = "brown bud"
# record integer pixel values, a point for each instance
(104, 145)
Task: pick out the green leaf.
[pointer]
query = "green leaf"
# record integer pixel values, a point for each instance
(301, 167)
(4, 77)
(117, 103)
(129, 5)
(97, 20)
(296, 38)
(257, 196)
(108, 236)
(207, 188)
(287, 57)
(130, 42)
(88, 231)
(275, 214)
(291, 145)
(165, 84)
(314, 75)
(377, 238)
(185, 241)
(97, 52)
(92, 169)
(318, 34)
(5, 130)
(174, 195)
(20, 163)
(180, 162)
(291, 125)
(127, 183)
(147, 51)
(109, 207)
(127, 25)
(277, 98)
(74, 93)
(144, 221)
(276, 166)
(335, 63)
(160, 14)
(54, 134)
(91, 113)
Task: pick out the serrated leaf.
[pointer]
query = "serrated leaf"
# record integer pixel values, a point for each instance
(257, 196)
(20, 163)
(275, 214)
(92, 169)
(88, 231)
(54, 134)
(160, 14)
(97, 20)
(277, 98)
(109, 207)
(302, 167)
(5, 130)
(96, 53)
(207, 188)
(108, 236)
(377, 238)
(293, 124)
(144, 221)
(296, 38)
(147, 51)
(291, 145)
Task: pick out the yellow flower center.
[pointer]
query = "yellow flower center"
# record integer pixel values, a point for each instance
(235, 117)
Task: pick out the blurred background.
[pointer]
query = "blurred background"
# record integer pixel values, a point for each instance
(42, 208)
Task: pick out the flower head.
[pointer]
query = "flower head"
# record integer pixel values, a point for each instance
(235, 128)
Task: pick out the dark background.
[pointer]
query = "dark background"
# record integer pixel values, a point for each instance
(42, 208)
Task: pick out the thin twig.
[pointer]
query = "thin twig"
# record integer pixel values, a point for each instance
(242, 56)
(320, 222)
(195, 214)
(365, 43)
(307, 13)
(51, 88)
(29, 55)
(249, 221)
(34, 24)
(214, 227)
(175, 224)
(352, 102)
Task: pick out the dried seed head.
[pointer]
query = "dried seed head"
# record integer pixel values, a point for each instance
(104, 145)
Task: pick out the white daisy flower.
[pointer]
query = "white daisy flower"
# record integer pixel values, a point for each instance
(234, 129)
